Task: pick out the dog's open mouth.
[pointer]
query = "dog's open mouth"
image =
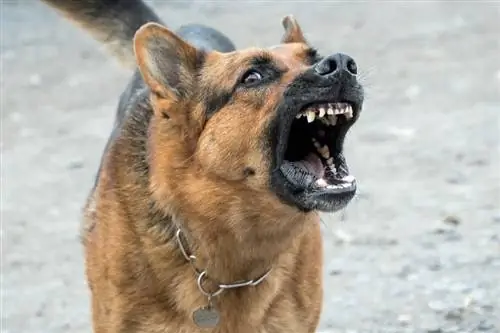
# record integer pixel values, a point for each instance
(313, 159)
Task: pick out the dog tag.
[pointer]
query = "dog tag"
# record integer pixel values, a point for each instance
(206, 317)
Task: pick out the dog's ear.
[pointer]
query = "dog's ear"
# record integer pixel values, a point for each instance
(293, 32)
(167, 63)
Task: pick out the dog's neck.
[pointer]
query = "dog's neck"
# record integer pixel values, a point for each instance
(203, 276)
(227, 257)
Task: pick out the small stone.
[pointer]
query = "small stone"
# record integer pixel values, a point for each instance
(468, 302)
(484, 325)
(452, 220)
(404, 319)
(435, 266)
(455, 180)
(450, 233)
(75, 165)
(335, 272)
(404, 272)
(343, 237)
(455, 315)
(487, 307)
(479, 162)
(435, 330)
(459, 157)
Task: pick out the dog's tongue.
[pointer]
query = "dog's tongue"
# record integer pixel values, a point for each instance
(312, 164)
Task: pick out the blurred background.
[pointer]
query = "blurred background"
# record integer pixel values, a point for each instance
(419, 248)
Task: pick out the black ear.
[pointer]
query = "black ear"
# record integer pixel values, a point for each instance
(293, 32)
(167, 63)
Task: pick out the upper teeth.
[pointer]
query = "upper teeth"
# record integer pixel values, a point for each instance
(331, 109)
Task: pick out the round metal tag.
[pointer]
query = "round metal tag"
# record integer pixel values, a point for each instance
(206, 317)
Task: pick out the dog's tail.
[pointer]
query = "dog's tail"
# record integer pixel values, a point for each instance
(111, 22)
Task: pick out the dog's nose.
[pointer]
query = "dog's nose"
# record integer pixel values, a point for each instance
(336, 63)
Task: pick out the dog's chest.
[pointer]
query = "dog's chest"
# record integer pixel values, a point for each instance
(272, 324)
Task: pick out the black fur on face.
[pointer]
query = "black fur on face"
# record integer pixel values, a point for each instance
(288, 136)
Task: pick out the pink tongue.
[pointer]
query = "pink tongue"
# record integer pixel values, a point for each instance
(312, 164)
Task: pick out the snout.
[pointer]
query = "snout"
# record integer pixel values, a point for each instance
(319, 108)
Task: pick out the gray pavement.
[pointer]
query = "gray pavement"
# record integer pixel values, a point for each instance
(417, 251)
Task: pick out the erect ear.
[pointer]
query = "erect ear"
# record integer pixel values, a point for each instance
(167, 63)
(293, 32)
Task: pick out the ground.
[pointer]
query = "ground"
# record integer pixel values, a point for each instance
(417, 251)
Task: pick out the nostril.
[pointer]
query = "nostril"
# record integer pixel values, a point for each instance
(352, 67)
(327, 66)
(333, 65)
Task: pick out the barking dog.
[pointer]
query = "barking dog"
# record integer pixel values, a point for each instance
(204, 214)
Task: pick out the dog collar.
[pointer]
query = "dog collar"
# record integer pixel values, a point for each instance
(208, 316)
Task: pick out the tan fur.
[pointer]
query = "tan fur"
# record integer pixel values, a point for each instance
(170, 166)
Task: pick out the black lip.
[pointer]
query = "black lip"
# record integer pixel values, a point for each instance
(326, 200)
(310, 89)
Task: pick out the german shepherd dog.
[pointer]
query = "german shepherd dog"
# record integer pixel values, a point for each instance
(204, 216)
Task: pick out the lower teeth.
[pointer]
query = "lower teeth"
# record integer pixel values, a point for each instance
(321, 182)
(346, 182)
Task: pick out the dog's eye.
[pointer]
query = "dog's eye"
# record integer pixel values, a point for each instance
(251, 77)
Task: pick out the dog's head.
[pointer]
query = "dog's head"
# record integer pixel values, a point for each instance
(254, 127)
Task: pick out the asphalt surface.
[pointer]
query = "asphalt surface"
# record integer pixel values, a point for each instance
(417, 251)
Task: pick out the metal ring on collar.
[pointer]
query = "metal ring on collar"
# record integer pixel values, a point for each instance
(203, 291)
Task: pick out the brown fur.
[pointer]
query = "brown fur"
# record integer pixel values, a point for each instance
(172, 166)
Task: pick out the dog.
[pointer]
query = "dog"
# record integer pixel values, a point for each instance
(204, 216)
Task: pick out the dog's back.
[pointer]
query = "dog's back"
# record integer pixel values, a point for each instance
(114, 23)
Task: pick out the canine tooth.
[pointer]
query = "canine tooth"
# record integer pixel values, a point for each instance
(298, 116)
(349, 112)
(348, 179)
(322, 112)
(310, 116)
(321, 182)
(329, 161)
